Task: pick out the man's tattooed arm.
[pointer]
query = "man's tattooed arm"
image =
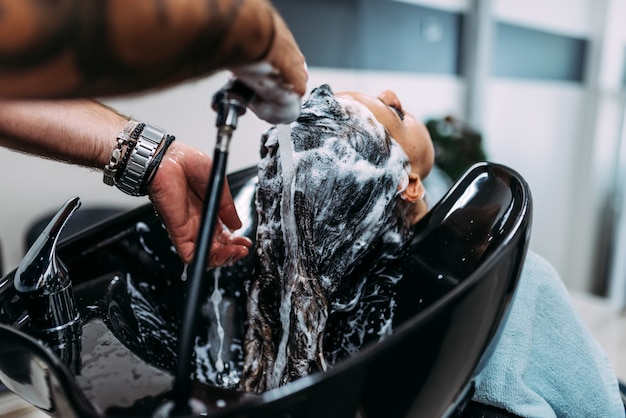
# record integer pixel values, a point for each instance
(71, 48)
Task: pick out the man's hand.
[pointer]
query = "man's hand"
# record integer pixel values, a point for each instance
(279, 79)
(177, 192)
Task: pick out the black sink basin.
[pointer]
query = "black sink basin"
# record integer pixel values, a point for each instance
(457, 284)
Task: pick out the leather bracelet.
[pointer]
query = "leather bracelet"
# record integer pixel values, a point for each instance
(138, 157)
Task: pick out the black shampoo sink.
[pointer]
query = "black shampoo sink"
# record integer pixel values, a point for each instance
(457, 283)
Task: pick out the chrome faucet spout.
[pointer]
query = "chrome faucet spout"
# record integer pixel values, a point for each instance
(41, 271)
(43, 280)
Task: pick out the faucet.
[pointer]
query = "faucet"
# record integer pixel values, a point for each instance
(42, 280)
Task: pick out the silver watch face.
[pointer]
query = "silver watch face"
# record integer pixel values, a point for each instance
(140, 153)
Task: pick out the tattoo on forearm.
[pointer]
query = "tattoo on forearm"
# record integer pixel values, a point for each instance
(200, 52)
(161, 11)
(34, 32)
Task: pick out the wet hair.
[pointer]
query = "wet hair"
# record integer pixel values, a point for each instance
(328, 205)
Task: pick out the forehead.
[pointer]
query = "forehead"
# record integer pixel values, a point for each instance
(340, 126)
(358, 111)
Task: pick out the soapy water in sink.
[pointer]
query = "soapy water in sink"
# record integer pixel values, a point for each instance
(147, 322)
(142, 312)
(129, 348)
(113, 376)
(218, 358)
(216, 299)
(149, 327)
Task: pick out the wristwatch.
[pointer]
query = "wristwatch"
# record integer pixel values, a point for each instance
(140, 154)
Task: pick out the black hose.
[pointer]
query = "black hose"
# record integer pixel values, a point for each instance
(186, 339)
(229, 103)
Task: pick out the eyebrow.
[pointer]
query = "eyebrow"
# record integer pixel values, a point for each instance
(395, 111)
(391, 108)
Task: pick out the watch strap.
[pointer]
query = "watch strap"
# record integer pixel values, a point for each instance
(139, 155)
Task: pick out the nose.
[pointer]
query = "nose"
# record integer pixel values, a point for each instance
(390, 98)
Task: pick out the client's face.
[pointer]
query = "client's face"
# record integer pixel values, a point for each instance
(412, 135)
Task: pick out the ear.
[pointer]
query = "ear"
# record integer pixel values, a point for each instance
(415, 190)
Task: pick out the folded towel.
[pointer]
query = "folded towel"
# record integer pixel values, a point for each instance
(547, 363)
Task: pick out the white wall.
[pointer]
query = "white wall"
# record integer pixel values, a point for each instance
(612, 99)
(570, 17)
(562, 136)
(537, 127)
(534, 127)
(454, 5)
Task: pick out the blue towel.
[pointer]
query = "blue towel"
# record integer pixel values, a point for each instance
(547, 363)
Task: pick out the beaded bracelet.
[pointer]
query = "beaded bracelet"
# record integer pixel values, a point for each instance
(132, 142)
(110, 170)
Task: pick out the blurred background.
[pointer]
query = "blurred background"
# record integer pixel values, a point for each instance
(539, 83)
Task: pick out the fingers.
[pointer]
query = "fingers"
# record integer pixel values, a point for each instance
(279, 80)
(220, 254)
(286, 56)
(275, 101)
(240, 240)
(228, 212)
(227, 248)
(224, 256)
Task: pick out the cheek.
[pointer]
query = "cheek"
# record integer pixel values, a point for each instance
(428, 158)
(421, 150)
